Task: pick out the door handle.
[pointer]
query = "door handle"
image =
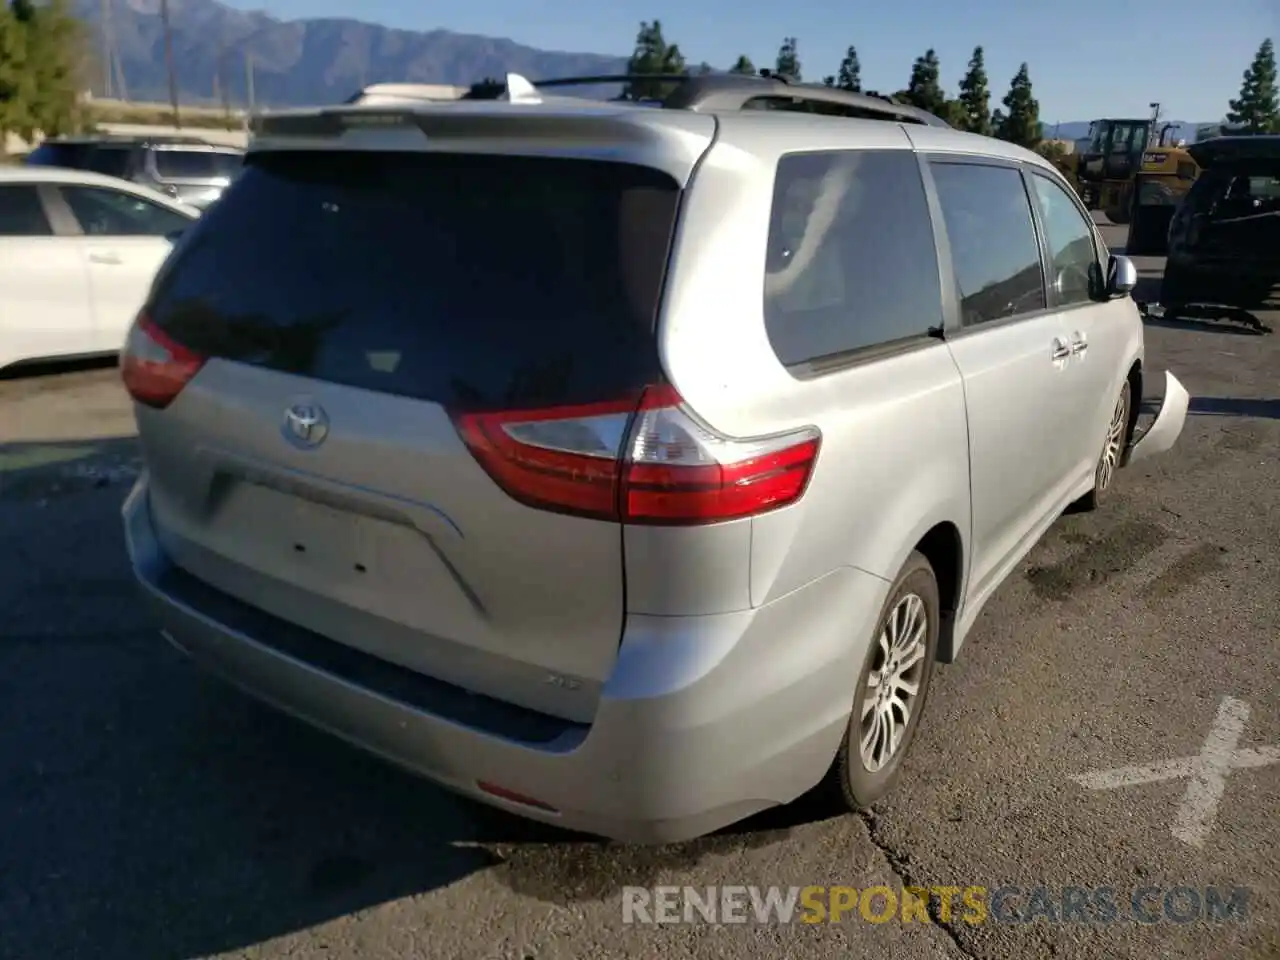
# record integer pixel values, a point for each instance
(1079, 344)
(112, 259)
(1061, 349)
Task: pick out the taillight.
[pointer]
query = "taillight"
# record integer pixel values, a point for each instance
(154, 366)
(651, 462)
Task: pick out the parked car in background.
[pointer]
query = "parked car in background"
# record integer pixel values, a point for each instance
(183, 168)
(625, 466)
(78, 252)
(1224, 240)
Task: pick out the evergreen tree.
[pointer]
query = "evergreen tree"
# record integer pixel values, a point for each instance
(788, 62)
(743, 65)
(953, 112)
(850, 75)
(829, 80)
(704, 68)
(15, 80)
(1258, 108)
(1020, 123)
(42, 59)
(974, 112)
(652, 55)
(924, 90)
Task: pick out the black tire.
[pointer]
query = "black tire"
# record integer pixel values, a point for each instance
(1113, 446)
(1174, 293)
(857, 785)
(1118, 214)
(1148, 232)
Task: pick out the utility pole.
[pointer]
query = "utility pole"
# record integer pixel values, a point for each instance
(122, 87)
(108, 50)
(168, 60)
(248, 78)
(220, 81)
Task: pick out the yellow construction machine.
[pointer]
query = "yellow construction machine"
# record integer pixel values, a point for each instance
(1133, 171)
(1165, 174)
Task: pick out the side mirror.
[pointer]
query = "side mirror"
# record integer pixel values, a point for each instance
(1122, 277)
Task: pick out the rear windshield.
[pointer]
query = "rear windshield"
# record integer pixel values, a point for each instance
(196, 164)
(472, 281)
(73, 155)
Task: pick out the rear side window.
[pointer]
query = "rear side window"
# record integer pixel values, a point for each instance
(195, 164)
(1265, 188)
(851, 260)
(21, 212)
(993, 240)
(111, 161)
(475, 281)
(1245, 193)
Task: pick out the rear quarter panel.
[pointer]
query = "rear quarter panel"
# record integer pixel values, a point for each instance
(894, 456)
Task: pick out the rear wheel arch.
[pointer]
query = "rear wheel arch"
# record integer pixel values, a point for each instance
(1134, 379)
(943, 546)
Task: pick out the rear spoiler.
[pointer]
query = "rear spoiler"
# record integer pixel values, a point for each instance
(602, 130)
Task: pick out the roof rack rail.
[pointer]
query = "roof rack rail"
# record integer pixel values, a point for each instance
(729, 92)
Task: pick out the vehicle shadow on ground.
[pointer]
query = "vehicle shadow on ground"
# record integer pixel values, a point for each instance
(33, 371)
(1266, 409)
(152, 811)
(45, 471)
(1207, 325)
(1248, 407)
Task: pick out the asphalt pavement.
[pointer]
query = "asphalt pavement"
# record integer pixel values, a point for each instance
(150, 812)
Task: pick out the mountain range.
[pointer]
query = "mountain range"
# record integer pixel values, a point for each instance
(316, 61)
(299, 62)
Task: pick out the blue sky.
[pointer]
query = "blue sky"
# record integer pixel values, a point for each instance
(1088, 58)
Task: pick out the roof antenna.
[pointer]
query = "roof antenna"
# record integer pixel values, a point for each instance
(520, 90)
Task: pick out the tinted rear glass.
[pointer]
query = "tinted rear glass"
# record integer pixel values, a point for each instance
(71, 155)
(195, 164)
(468, 280)
(111, 161)
(1226, 188)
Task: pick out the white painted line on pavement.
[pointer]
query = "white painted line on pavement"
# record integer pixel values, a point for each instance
(1207, 772)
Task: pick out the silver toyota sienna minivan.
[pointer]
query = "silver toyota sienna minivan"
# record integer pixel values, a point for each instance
(627, 466)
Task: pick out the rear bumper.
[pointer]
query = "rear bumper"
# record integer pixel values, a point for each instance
(705, 720)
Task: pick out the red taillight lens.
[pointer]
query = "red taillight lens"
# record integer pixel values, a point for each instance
(560, 458)
(651, 462)
(154, 366)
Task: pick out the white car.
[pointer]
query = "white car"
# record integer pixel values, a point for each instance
(78, 252)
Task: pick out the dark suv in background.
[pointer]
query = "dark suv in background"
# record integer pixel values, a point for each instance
(185, 168)
(1224, 241)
